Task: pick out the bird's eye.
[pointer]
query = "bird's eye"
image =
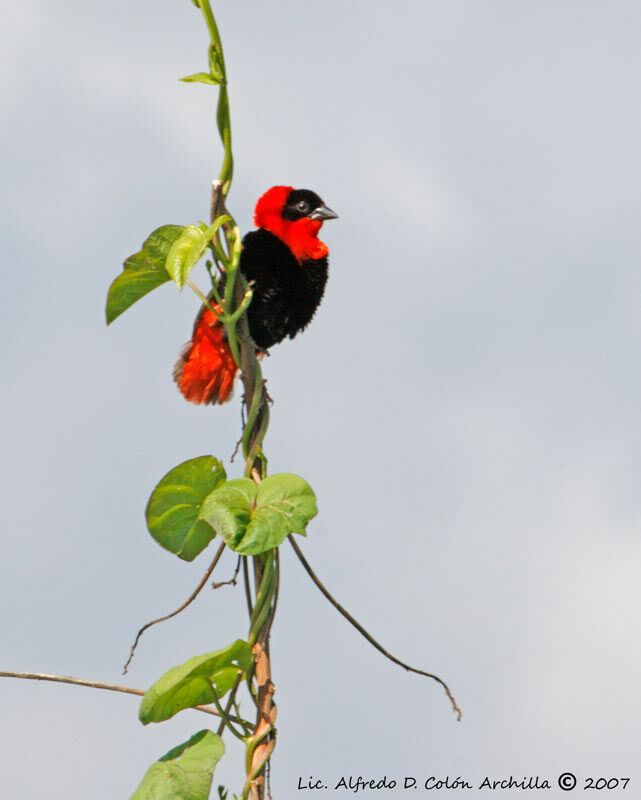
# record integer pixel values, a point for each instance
(303, 207)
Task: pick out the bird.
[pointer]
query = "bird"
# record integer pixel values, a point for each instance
(286, 265)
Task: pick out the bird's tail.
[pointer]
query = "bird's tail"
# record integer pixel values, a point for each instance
(206, 369)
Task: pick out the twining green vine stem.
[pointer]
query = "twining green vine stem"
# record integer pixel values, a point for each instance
(217, 70)
(237, 294)
(235, 300)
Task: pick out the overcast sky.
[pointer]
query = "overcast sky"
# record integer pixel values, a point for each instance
(466, 403)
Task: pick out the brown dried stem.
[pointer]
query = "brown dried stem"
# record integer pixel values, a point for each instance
(189, 600)
(232, 580)
(365, 633)
(264, 739)
(43, 676)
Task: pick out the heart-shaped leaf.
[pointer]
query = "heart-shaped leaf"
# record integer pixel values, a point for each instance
(142, 272)
(228, 509)
(173, 508)
(186, 772)
(195, 683)
(254, 518)
(285, 503)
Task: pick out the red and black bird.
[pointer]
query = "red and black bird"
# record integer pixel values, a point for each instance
(287, 266)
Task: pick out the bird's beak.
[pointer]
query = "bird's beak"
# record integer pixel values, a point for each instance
(323, 213)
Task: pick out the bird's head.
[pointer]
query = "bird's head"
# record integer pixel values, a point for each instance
(296, 217)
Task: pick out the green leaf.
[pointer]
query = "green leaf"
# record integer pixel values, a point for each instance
(285, 504)
(143, 271)
(186, 252)
(195, 683)
(202, 77)
(184, 773)
(228, 509)
(254, 518)
(174, 505)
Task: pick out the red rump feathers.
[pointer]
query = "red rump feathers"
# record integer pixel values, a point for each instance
(206, 370)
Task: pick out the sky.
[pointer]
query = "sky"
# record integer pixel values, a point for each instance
(465, 403)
